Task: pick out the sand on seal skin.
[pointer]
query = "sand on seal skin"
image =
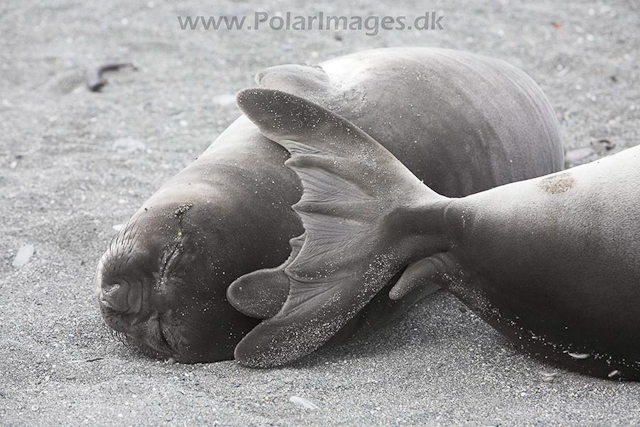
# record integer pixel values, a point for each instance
(67, 179)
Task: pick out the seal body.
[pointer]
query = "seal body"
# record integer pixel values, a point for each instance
(462, 123)
(553, 262)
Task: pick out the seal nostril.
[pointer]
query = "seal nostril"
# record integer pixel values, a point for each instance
(115, 296)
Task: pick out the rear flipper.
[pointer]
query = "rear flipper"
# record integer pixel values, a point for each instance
(357, 197)
(261, 294)
(381, 309)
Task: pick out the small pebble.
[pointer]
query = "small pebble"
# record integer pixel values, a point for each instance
(579, 356)
(606, 144)
(573, 157)
(224, 99)
(614, 373)
(128, 145)
(303, 402)
(22, 257)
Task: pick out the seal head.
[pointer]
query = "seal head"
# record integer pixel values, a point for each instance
(159, 286)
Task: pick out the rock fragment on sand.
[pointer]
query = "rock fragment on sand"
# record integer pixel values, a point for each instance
(128, 145)
(24, 254)
(93, 74)
(224, 99)
(574, 157)
(307, 404)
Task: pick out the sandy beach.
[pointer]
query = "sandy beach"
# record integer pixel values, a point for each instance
(74, 164)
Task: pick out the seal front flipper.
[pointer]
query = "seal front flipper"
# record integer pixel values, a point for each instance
(354, 239)
(424, 274)
(262, 293)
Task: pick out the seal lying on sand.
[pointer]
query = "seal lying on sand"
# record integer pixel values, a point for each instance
(553, 263)
(461, 122)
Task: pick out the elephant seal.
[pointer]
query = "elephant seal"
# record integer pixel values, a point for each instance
(462, 123)
(553, 263)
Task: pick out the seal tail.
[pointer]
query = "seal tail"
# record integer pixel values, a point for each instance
(355, 209)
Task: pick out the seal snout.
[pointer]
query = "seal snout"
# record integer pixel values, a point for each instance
(115, 304)
(115, 296)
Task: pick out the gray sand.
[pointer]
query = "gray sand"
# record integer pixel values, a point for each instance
(65, 183)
